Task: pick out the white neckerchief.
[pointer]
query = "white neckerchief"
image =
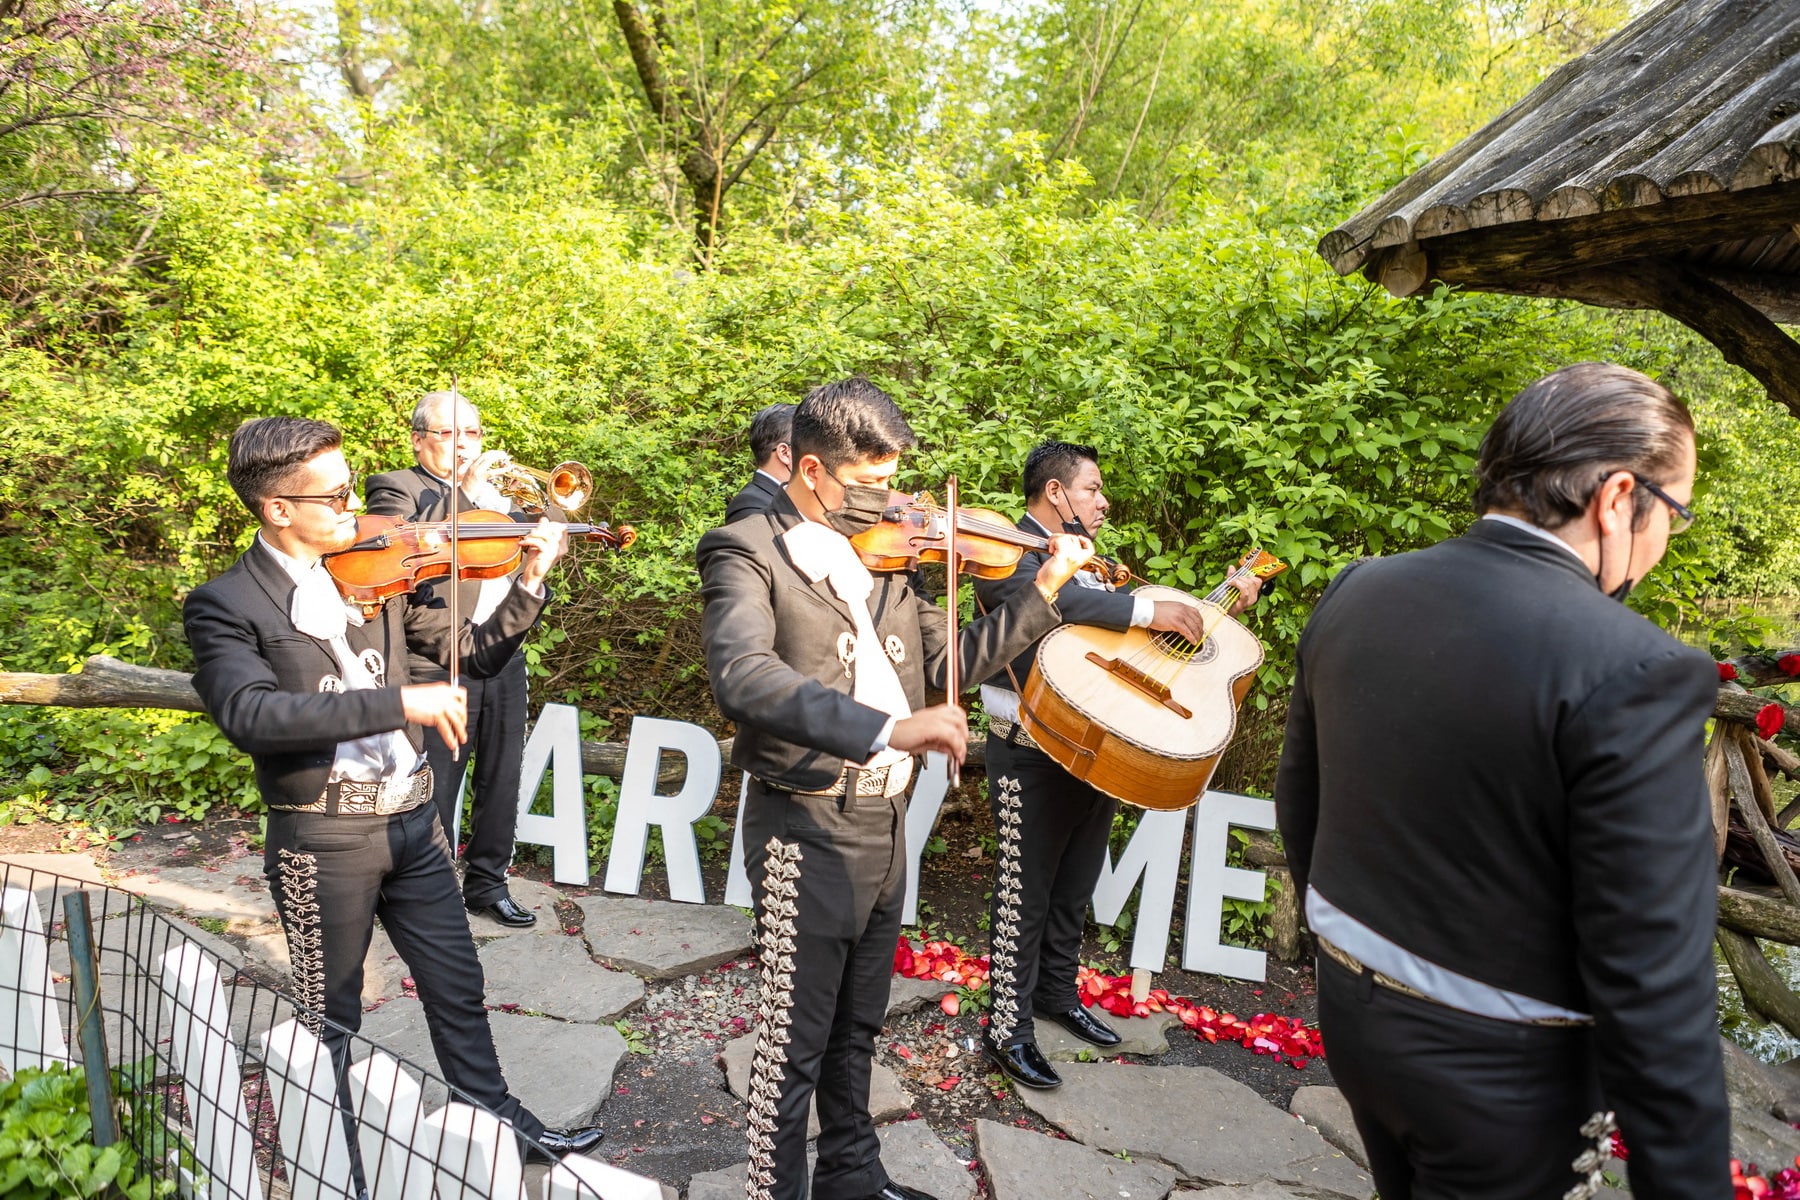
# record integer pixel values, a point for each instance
(821, 552)
(320, 612)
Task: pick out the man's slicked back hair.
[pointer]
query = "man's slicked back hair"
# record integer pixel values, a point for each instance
(422, 419)
(1554, 442)
(1055, 460)
(849, 421)
(266, 452)
(769, 428)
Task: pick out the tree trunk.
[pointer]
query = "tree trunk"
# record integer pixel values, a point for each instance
(1763, 990)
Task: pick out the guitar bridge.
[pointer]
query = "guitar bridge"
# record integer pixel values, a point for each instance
(1136, 678)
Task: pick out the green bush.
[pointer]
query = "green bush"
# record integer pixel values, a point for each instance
(47, 1150)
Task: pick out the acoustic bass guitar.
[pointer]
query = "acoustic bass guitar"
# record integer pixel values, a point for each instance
(1143, 715)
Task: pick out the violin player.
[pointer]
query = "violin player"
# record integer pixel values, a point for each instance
(1050, 856)
(824, 667)
(325, 704)
(443, 451)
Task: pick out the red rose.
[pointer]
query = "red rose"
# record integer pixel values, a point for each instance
(1727, 672)
(1769, 720)
(1789, 664)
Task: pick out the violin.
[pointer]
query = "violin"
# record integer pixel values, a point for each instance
(914, 529)
(391, 556)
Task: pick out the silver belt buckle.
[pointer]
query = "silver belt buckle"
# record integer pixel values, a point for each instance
(393, 799)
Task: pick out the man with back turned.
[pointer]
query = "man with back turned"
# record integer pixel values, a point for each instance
(1491, 797)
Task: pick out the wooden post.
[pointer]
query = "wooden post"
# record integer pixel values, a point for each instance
(1744, 794)
(90, 1030)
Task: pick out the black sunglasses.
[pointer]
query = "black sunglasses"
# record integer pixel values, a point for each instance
(339, 500)
(1684, 516)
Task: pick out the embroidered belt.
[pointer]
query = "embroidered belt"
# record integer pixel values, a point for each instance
(1013, 734)
(1355, 965)
(878, 781)
(354, 798)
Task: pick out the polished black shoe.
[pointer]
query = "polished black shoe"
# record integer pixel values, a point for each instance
(1024, 1064)
(555, 1143)
(507, 911)
(1085, 1025)
(899, 1191)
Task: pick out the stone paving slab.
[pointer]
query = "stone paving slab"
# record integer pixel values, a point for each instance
(1326, 1110)
(663, 938)
(909, 995)
(555, 976)
(239, 898)
(1142, 1035)
(383, 968)
(1023, 1164)
(561, 1071)
(913, 1155)
(1255, 1191)
(533, 896)
(887, 1099)
(1226, 1134)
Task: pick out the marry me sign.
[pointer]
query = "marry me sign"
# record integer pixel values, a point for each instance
(1152, 857)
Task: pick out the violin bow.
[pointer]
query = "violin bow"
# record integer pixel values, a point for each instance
(455, 550)
(951, 665)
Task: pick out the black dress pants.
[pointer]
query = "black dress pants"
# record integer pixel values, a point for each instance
(1052, 830)
(1452, 1106)
(828, 881)
(497, 746)
(331, 877)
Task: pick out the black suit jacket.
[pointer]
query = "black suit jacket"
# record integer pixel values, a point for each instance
(414, 494)
(772, 651)
(264, 682)
(1498, 767)
(1078, 605)
(753, 497)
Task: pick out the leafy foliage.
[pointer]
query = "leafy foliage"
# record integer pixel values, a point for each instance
(46, 1144)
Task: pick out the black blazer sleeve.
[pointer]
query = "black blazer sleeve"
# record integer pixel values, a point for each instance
(750, 681)
(241, 693)
(392, 494)
(989, 642)
(1297, 780)
(1077, 605)
(485, 648)
(1643, 895)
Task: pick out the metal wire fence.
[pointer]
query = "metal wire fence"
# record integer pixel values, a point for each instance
(221, 1083)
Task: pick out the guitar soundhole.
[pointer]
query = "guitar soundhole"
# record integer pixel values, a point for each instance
(1176, 647)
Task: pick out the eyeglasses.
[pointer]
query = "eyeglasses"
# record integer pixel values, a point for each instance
(1682, 516)
(444, 435)
(339, 500)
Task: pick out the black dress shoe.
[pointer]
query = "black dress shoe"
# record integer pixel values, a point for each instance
(1023, 1064)
(1085, 1026)
(899, 1191)
(555, 1143)
(507, 911)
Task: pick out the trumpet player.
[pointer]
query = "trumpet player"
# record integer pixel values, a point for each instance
(446, 453)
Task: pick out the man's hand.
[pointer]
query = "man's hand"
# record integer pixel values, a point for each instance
(944, 728)
(438, 706)
(1173, 616)
(1249, 588)
(1068, 554)
(541, 548)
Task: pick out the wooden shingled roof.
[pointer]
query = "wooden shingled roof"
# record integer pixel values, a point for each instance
(1660, 170)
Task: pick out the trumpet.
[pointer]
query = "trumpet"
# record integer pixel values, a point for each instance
(567, 485)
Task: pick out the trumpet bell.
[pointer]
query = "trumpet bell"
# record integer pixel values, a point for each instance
(568, 485)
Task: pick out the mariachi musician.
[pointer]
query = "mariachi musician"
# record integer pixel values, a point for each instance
(444, 449)
(323, 701)
(824, 667)
(1052, 827)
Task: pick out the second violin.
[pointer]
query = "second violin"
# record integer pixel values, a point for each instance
(914, 529)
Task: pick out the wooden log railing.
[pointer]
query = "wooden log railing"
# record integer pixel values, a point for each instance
(105, 682)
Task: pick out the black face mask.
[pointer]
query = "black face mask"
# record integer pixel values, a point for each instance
(1624, 589)
(862, 509)
(1073, 524)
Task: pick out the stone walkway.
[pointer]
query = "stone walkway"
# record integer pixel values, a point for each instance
(1128, 1131)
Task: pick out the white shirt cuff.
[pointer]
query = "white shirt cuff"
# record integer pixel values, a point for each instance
(536, 593)
(881, 739)
(1143, 611)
